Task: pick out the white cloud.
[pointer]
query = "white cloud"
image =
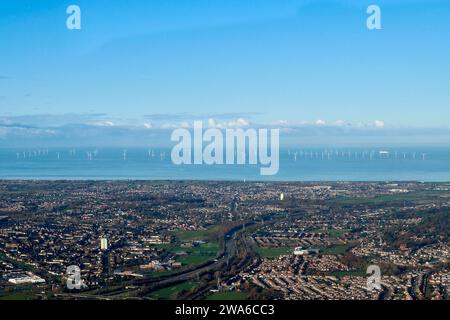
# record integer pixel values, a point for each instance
(104, 124)
(238, 123)
(281, 123)
(212, 123)
(379, 123)
(321, 122)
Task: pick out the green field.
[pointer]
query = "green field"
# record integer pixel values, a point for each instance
(193, 235)
(198, 254)
(229, 295)
(18, 295)
(337, 249)
(334, 233)
(170, 292)
(273, 252)
(194, 259)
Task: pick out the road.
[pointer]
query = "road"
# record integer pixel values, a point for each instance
(148, 284)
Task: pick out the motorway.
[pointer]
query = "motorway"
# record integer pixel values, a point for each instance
(141, 287)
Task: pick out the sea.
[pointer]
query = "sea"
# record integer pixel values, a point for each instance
(425, 164)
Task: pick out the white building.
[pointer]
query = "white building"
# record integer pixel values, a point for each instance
(104, 244)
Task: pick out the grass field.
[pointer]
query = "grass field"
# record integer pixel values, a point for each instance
(193, 235)
(230, 295)
(18, 295)
(273, 252)
(337, 249)
(198, 254)
(170, 292)
(334, 233)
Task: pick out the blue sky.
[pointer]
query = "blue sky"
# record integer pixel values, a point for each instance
(166, 62)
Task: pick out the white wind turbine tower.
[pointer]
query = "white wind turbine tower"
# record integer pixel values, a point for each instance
(404, 155)
(125, 154)
(423, 156)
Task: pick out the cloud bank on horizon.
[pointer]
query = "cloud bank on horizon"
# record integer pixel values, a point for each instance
(69, 130)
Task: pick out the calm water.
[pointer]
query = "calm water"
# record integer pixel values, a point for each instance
(351, 164)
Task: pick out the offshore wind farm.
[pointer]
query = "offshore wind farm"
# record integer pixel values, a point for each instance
(296, 164)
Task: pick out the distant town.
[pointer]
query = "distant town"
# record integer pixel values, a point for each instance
(223, 240)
